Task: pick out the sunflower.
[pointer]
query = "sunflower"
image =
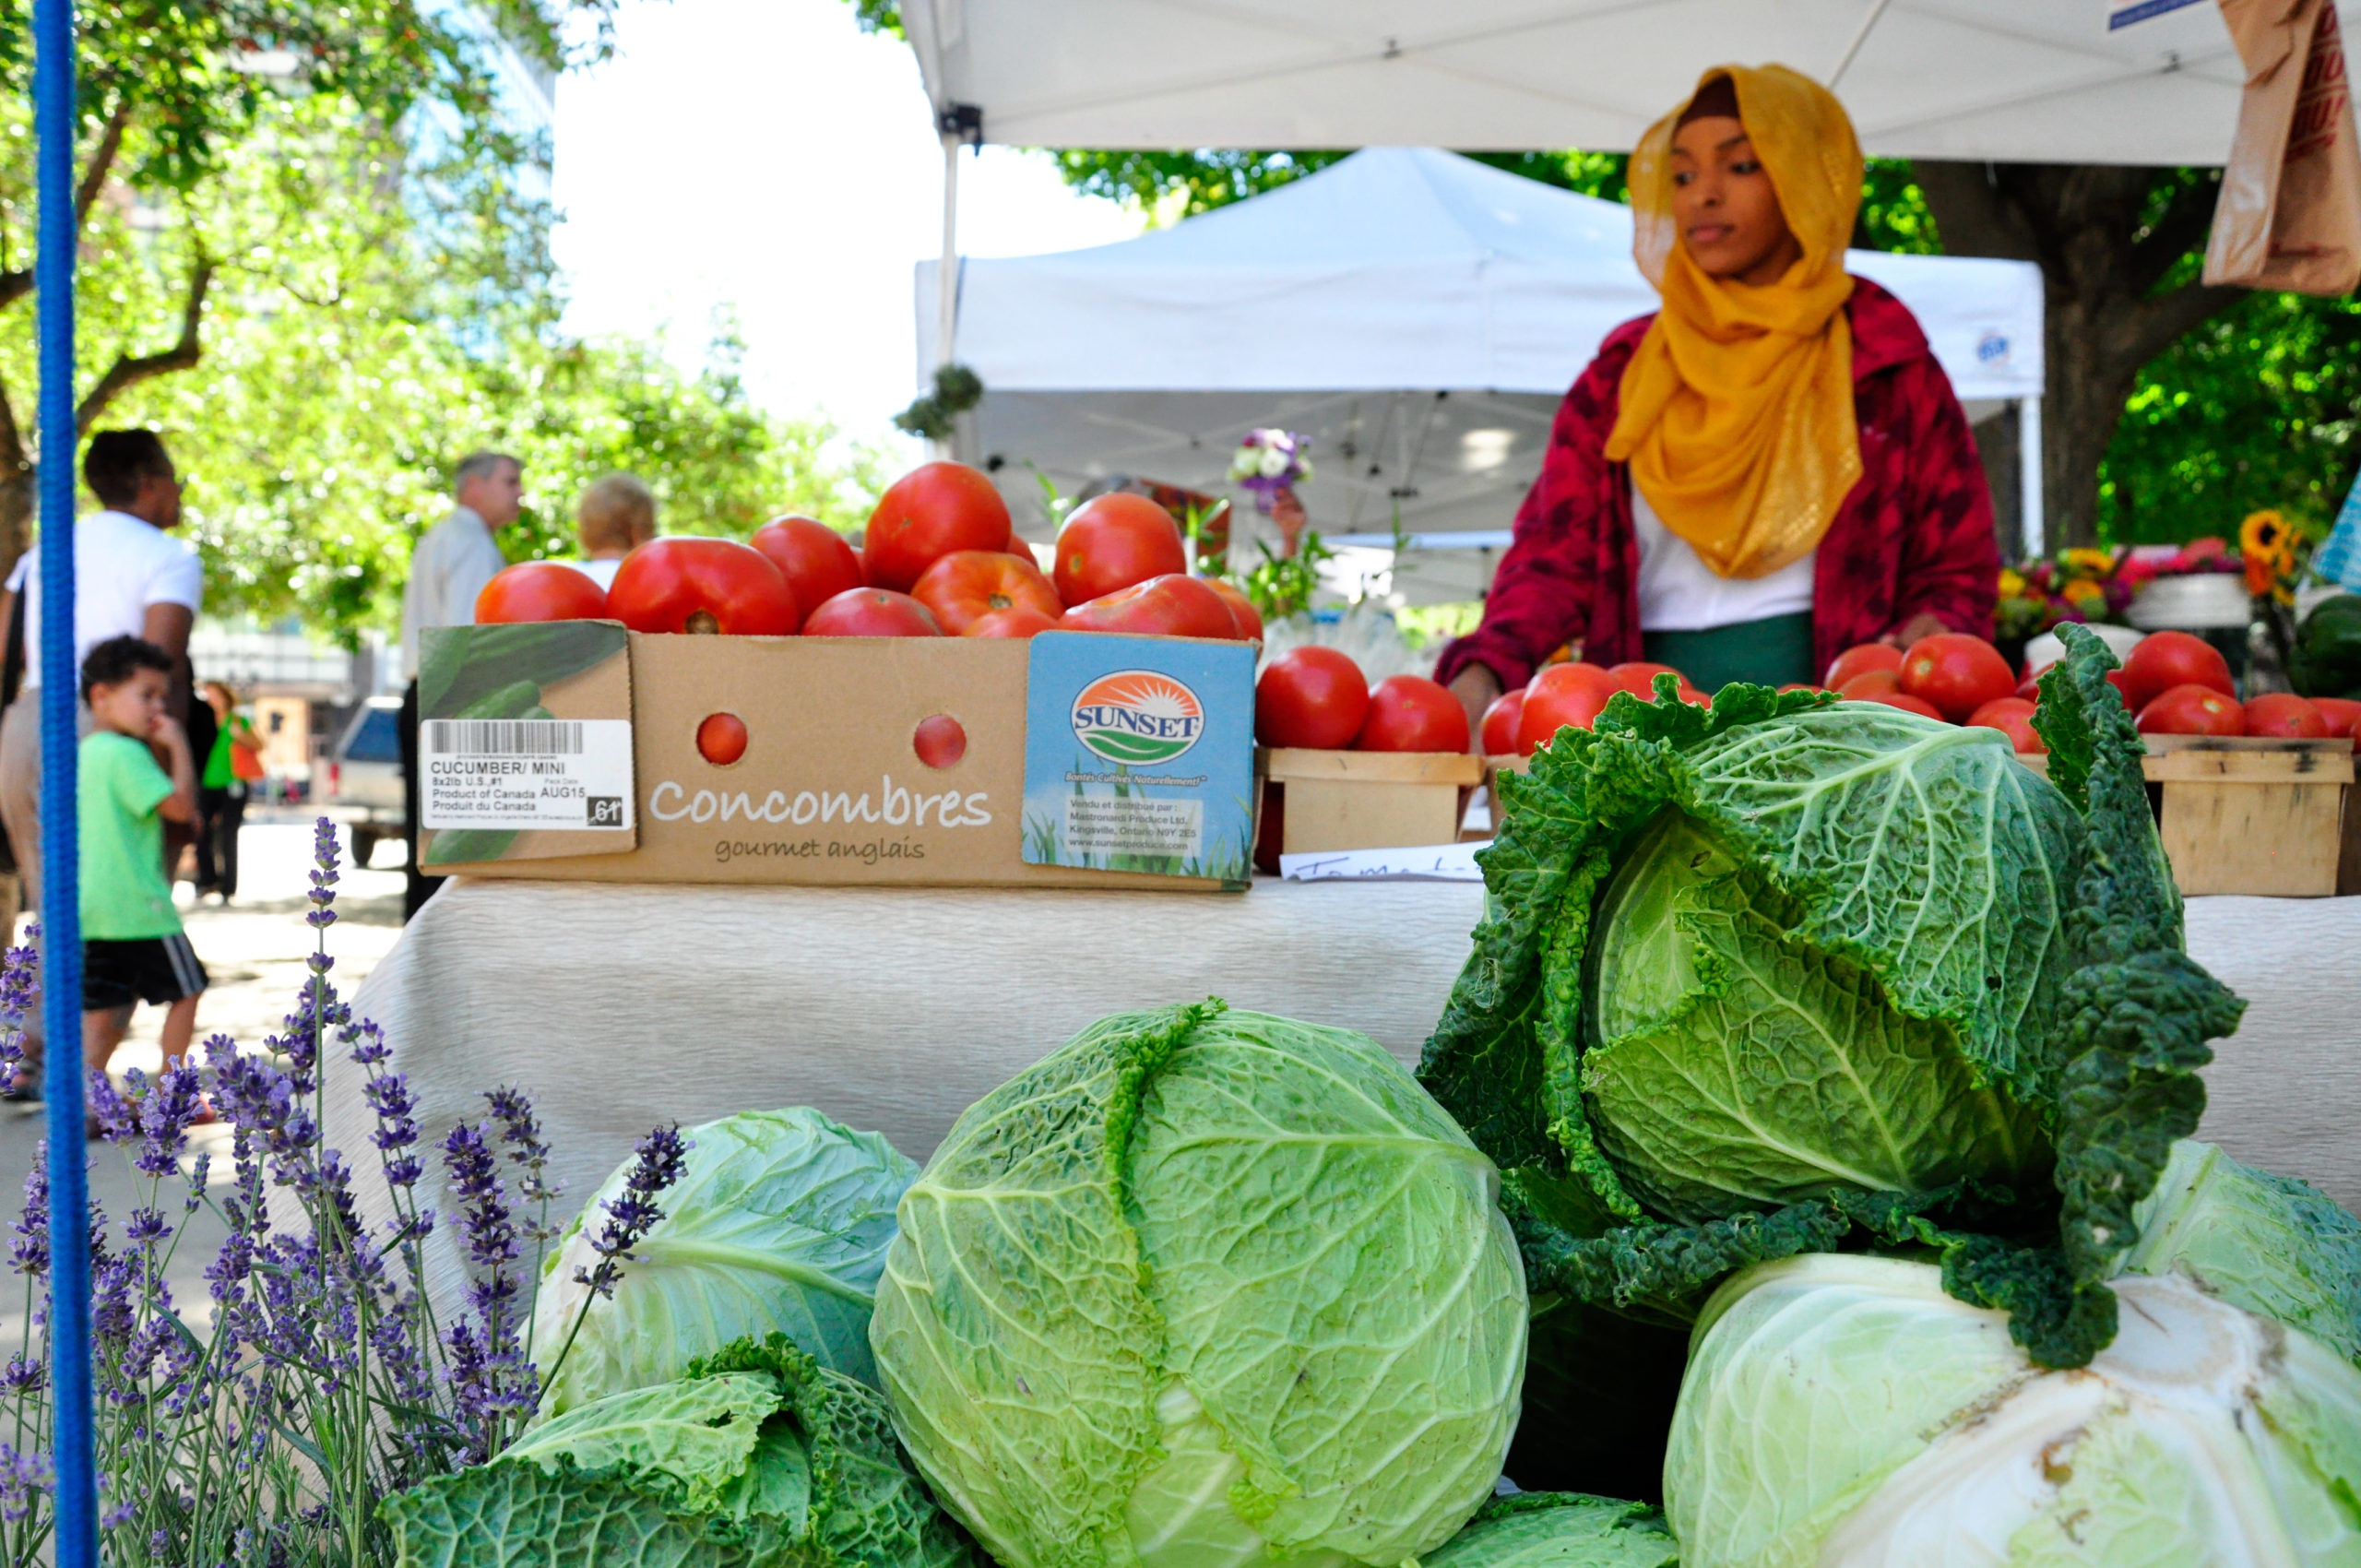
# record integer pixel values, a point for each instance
(2088, 563)
(2265, 541)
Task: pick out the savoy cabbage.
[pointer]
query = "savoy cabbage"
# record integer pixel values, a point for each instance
(1789, 974)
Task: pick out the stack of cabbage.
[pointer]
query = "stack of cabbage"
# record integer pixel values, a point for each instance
(1835, 1044)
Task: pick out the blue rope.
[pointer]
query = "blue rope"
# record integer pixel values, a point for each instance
(61, 913)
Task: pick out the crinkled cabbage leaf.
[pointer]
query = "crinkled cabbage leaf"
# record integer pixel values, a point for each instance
(1843, 1411)
(1792, 974)
(759, 1459)
(1205, 1287)
(1559, 1529)
(780, 1222)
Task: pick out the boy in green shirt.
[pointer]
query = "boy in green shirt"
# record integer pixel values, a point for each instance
(132, 947)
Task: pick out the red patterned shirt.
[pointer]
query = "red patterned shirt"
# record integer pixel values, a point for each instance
(1916, 533)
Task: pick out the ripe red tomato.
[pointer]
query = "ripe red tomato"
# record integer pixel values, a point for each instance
(1872, 683)
(1022, 551)
(1500, 722)
(969, 583)
(924, 515)
(1561, 694)
(939, 741)
(2284, 716)
(873, 612)
(2344, 717)
(1903, 701)
(2014, 717)
(1241, 609)
(1859, 659)
(2030, 687)
(2192, 709)
(721, 739)
(682, 584)
(1014, 622)
(1639, 678)
(541, 590)
(1956, 672)
(1174, 605)
(1311, 696)
(1113, 541)
(1410, 713)
(2166, 660)
(817, 562)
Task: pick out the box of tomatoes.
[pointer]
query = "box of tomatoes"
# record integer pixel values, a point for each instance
(698, 724)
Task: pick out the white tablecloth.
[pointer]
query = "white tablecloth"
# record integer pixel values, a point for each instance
(620, 1006)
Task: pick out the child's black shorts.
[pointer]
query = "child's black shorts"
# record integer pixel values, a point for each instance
(157, 970)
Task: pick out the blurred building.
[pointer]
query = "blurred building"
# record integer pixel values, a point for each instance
(299, 691)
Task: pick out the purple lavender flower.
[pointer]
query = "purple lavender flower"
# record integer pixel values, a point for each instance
(662, 1154)
(28, 1253)
(24, 1477)
(521, 1131)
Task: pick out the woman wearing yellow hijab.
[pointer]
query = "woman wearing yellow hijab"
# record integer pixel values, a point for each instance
(1770, 470)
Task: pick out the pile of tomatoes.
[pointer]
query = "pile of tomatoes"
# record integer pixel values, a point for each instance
(939, 558)
(1317, 698)
(2174, 682)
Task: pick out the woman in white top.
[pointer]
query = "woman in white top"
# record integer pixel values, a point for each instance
(617, 515)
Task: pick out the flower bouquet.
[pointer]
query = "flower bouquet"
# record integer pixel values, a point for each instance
(1268, 462)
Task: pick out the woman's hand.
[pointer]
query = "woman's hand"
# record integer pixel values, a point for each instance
(1923, 624)
(1476, 688)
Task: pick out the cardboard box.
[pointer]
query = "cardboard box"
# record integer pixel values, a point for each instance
(1082, 760)
(1333, 800)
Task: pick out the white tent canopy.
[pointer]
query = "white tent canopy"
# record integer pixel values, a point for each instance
(2079, 81)
(1418, 314)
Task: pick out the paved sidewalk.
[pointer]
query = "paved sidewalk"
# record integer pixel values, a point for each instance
(253, 950)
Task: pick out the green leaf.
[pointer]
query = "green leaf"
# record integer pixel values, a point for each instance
(1559, 1529)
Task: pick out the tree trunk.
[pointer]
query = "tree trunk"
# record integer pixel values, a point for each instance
(2106, 238)
(16, 519)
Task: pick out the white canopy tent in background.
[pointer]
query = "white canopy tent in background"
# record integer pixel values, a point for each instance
(2064, 81)
(1418, 314)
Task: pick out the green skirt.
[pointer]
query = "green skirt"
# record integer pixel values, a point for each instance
(1771, 653)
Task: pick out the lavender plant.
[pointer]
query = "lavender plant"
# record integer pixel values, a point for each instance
(263, 1425)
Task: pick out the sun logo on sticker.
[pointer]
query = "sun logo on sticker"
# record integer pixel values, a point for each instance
(1137, 717)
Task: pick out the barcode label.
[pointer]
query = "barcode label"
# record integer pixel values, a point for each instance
(505, 737)
(501, 774)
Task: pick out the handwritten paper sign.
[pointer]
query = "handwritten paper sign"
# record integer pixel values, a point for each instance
(1433, 863)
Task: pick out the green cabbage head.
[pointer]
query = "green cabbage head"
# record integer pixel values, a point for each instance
(1842, 1411)
(1205, 1289)
(759, 1459)
(779, 1222)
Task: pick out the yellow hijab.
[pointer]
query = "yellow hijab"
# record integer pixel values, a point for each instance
(1736, 411)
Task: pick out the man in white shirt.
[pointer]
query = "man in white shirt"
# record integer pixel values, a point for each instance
(449, 567)
(131, 578)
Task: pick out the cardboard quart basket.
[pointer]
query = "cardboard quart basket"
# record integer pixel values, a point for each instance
(581, 751)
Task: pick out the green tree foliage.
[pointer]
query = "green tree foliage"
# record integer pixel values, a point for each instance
(324, 287)
(2259, 407)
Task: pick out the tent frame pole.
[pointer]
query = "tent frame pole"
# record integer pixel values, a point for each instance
(76, 1544)
(946, 321)
(1860, 36)
(2029, 522)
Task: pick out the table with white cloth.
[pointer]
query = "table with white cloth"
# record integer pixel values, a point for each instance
(622, 1006)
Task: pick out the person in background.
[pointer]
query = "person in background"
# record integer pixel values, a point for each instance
(449, 567)
(617, 515)
(1771, 468)
(232, 758)
(131, 578)
(132, 947)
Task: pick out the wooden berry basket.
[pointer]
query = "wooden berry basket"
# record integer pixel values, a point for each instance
(2271, 818)
(1340, 800)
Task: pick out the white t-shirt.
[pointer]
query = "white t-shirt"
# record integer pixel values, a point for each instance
(1679, 593)
(599, 572)
(121, 566)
